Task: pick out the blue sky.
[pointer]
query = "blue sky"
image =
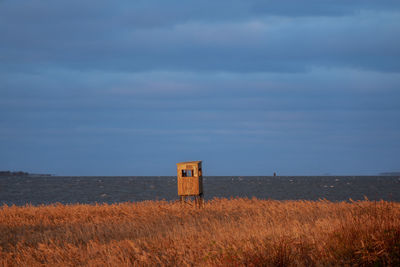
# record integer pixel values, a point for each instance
(249, 87)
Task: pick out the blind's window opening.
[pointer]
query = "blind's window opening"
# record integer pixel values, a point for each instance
(187, 173)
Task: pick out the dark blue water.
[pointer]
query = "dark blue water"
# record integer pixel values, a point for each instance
(46, 190)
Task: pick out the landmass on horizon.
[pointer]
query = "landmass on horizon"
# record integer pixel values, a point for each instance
(21, 173)
(390, 174)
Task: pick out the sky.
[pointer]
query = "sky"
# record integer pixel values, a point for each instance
(249, 87)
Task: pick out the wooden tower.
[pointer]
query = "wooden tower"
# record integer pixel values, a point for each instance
(190, 181)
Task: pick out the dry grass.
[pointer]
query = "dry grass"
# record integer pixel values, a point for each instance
(236, 232)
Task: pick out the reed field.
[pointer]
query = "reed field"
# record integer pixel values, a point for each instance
(225, 232)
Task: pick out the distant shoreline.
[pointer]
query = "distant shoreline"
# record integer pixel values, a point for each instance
(389, 174)
(24, 174)
(21, 174)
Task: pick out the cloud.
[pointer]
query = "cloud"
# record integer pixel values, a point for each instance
(281, 82)
(81, 38)
(156, 13)
(319, 88)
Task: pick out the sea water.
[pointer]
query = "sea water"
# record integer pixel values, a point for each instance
(38, 190)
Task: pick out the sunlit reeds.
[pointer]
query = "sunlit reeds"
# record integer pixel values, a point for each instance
(236, 232)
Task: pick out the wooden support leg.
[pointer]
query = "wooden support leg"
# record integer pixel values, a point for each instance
(201, 200)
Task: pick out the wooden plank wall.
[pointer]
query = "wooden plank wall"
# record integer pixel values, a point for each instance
(189, 186)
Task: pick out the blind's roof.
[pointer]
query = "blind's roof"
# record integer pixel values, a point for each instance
(189, 162)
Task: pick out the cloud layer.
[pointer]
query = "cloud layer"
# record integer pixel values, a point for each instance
(101, 88)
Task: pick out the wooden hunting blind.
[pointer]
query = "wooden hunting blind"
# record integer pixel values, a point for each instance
(190, 179)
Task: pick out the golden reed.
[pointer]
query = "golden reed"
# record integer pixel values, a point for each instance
(235, 232)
